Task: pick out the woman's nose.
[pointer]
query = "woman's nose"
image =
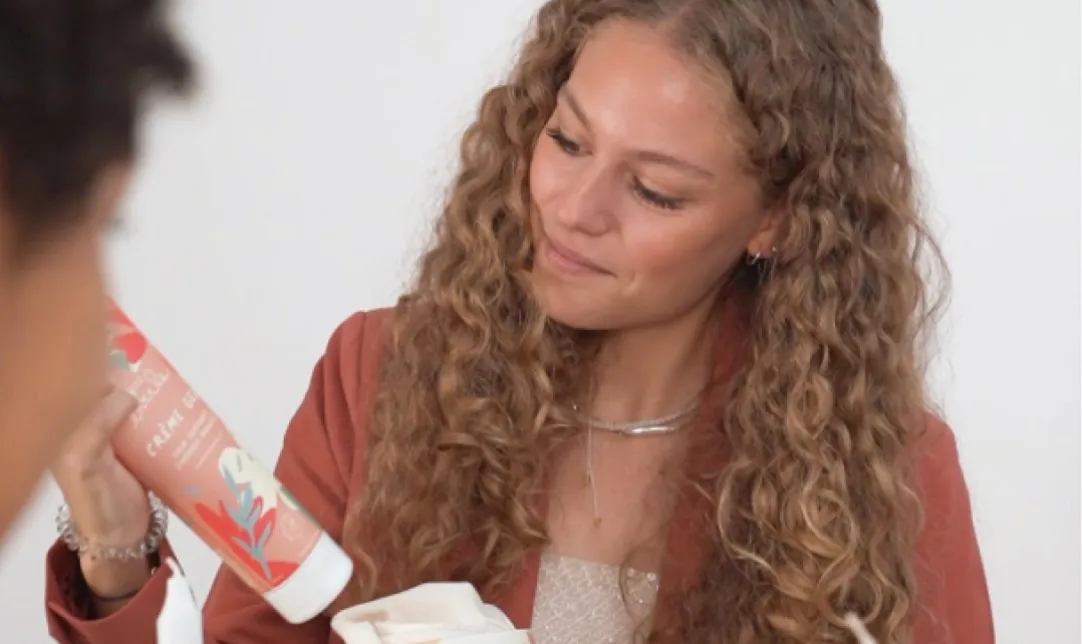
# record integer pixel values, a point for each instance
(586, 205)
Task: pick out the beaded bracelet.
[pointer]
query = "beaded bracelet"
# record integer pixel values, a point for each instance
(76, 542)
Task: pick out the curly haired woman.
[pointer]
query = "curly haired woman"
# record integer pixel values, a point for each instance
(660, 374)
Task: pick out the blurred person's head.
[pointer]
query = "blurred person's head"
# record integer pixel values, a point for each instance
(75, 79)
(645, 161)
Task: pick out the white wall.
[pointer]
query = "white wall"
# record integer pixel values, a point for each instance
(300, 186)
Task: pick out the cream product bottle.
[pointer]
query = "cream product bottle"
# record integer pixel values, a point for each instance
(179, 449)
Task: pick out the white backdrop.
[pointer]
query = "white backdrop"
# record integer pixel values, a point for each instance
(301, 184)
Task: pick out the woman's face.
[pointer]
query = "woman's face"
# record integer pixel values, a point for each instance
(641, 202)
(52, 340)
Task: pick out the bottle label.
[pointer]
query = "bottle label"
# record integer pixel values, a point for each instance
(177, 447)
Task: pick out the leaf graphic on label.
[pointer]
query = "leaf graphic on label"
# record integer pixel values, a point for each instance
(264, 536)
(234, 515)
(239, 542)
(132, 344)
(119, 359)
(230, 481)
(266, 523)
(256, 511)
(245, 511)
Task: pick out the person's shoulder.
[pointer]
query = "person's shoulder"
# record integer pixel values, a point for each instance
(941, 480)
(356, 349)
(363, 331)
(953, 601)
(936, 445)
(341, 394)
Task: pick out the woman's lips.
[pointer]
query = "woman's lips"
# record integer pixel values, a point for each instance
(567, 261)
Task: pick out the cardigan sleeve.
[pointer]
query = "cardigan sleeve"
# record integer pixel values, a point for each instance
(953, 604)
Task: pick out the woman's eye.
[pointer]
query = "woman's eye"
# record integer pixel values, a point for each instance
(652, 197)
(563, 142)
(655, 198)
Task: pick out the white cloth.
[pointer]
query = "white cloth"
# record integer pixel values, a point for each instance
(443, 613)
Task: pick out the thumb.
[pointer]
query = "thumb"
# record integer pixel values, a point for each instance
(96, 431)
(113, 410)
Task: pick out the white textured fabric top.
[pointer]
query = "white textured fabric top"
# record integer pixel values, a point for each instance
(581, 601)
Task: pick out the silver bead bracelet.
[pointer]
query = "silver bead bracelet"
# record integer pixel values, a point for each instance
(76, 542)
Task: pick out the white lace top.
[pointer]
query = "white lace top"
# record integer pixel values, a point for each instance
(581, 601)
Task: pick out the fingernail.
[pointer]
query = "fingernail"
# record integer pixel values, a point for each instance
(124, 400)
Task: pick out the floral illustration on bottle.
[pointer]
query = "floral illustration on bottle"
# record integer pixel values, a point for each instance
(247, 521)
(246, 471)
(126, 345)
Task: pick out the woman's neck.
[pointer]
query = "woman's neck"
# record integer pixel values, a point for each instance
(653, 371)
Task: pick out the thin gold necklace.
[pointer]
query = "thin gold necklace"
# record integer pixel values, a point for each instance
(650, 427)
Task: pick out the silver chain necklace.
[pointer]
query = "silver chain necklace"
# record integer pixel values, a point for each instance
(650, 427)
(661, 425)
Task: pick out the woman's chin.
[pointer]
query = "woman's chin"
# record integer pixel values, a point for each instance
(576, 312)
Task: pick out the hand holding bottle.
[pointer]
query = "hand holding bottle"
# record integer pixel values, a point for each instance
(108, 506)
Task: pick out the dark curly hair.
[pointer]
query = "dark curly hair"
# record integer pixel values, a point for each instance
(74, 77)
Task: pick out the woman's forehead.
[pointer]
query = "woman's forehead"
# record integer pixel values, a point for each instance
(632, 86)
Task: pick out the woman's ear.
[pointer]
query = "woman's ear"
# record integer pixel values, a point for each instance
(764, 243)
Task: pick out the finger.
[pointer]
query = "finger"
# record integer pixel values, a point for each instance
(83, 451)
(113, 410)
(97, 429)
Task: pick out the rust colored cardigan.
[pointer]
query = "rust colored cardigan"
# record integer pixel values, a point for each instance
(321, 464)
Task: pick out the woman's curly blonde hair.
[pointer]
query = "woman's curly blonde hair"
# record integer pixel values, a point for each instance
(816, 509)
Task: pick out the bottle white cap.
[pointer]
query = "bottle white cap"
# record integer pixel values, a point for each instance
(314, 585)
(180, 621)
